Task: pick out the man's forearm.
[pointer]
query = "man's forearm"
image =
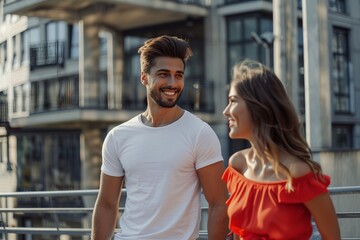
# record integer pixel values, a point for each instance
(103, 223)
(217, 222)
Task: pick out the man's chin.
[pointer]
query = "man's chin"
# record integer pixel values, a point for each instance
(168, 106)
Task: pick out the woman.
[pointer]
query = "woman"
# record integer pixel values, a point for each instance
(275, 186)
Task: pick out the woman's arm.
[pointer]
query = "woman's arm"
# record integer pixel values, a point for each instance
(323, 211)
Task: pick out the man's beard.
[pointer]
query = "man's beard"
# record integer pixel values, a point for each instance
(156, 96)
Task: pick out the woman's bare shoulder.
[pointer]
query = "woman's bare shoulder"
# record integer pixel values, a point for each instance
(296, 166)
(238, 160)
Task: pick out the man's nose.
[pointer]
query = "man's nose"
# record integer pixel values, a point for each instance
(172, 79)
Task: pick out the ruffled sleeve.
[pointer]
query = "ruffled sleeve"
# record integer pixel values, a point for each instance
(306, 188)
(225, 176)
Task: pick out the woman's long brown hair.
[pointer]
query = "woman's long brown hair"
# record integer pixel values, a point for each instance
(277, 127)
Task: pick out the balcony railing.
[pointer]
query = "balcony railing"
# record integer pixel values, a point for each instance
(60, 227)
(195, 2)
(47, 54)
(63, 93)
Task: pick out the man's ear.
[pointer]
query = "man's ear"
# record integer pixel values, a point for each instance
(143, 78)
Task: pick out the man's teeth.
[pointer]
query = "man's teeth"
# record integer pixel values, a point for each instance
(169, 93)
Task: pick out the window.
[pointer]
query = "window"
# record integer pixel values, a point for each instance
(51, 166)
(24, 47)
(340, 71)
(103, 45)
(55, 36)
(55, 31)
(66, 161)
(55, 94)
(301, 85)
(73, 31)
(15, 50)
(34, 36)
(2, 149)
(34, 41)
(241, 44)
(103, 41)
(342, 136)
(20, 98)
(35, 97)
(24, 97)
(15, 99)
(3, 107)
(338, 6)
(3, 55)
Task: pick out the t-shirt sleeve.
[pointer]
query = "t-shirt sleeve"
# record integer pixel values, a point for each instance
(305, 189)
(208, 149)
(111, 164)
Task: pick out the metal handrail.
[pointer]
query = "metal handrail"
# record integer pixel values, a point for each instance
(344, 190)
(53, 210)
(86, 231)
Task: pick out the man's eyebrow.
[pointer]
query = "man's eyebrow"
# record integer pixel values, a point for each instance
(163, 70)
(167, 70)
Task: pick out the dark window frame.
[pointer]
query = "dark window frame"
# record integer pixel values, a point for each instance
(243, 41)
(341, 71)
(342, 136)
(338, 6)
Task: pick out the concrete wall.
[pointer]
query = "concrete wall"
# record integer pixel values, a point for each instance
(344, 168)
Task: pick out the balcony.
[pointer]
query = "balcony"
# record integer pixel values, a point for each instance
(63, 93)
(116, 14)
(47, 54)
(55, 222)
(60, 100)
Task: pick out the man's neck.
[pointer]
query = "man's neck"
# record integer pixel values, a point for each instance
(161, 117)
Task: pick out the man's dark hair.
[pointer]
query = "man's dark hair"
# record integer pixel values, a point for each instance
(163, 46)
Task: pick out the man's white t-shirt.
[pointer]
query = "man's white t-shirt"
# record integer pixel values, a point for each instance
(159, 165)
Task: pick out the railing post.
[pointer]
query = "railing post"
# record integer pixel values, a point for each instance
(3, 236)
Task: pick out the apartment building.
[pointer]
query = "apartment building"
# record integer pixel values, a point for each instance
(69, 72)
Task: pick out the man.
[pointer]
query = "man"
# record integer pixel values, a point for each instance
(165, 155)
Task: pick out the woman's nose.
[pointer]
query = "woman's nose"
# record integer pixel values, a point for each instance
(226, 112)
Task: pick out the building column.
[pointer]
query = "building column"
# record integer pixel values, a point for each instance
(116, 69)
(215, 53)
(317, 79)
(90, 157)
(216, 70)
(90, 147)
(89, 58)
(286, 62)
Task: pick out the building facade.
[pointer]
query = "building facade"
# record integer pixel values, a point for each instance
(69, 72)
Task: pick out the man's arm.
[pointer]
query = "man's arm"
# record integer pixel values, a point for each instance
(216, 195)
(106, 207)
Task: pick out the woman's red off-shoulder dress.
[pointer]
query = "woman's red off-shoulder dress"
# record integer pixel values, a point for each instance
(266, 210)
